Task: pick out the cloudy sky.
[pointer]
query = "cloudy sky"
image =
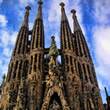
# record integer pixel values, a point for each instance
(93, 15)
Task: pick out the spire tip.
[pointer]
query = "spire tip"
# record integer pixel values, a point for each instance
(53, 37)
(73, 11)
(28, 7)
(40, 2)
(62, 4)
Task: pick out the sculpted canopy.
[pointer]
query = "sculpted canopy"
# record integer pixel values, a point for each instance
(53, 48)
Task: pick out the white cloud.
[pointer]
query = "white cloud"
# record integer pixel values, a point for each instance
(7, 38)
(102, 11)
(102, 44)
(3, 20)
(7, 52)
(31, 25)
(55, 10)
(54, 14)
(3, 65)
(4, 38)
(101, 40)
(13, 36)
(25, 2)
(7, 41)
(1, 1)
(101, 36)
(1, 62)
(4, 69)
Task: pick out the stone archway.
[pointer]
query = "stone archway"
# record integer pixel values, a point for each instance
(55, 102)
(60, 94)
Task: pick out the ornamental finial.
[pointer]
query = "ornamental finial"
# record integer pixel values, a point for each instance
(62, 4)
(26, 17)
(53, 48)
(28, 7)
(40, 2)
(73, 11)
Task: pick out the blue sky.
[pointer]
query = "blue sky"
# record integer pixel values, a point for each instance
(94, 18)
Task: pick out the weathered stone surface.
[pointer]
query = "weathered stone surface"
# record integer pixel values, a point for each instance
(37, 80)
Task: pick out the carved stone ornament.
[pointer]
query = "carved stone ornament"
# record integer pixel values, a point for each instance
(55, 106)
(54, 83)
(88, 86)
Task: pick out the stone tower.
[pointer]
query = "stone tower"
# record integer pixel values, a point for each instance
(107, 105)
(36, 80)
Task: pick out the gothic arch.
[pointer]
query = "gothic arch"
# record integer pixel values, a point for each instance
(50, 93)
(55, 101)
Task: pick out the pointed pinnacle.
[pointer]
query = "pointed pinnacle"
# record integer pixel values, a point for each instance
(40, 2)
(73, 11)
(106, 92)
(28, 7)
(64, 17)
(39, 15)
(25, 22)
(27, 10)
(76, 23)
(53, 37)
(62, 4)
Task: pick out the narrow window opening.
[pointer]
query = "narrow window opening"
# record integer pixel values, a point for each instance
(66, 59)
(64, 37)
(10, 71)
(35, 68)
(80, 71)
(72, 69)
(39, 65)
(71, 60)
(85, 72)
(88, 68)
(14, 73)
(35, 58)
(19, 71)
(59, 59)
(29, 38)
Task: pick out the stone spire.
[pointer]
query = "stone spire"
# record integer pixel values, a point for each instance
(21, 99)
(82, 48)
(20, 48)
(39, 15)
(65, 32)
(38, 29)
(107, 99)
(106, 92)
(53, 53)
(26, 17)
(37, 54)
(86, 70)
(76, 24)
(63, 17)
(18, 61)
(38, 82)
(67, 46)
(22, 38)
(54, 83)
(53, 48)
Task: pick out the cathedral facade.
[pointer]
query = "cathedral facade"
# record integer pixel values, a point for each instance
(37, 80)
